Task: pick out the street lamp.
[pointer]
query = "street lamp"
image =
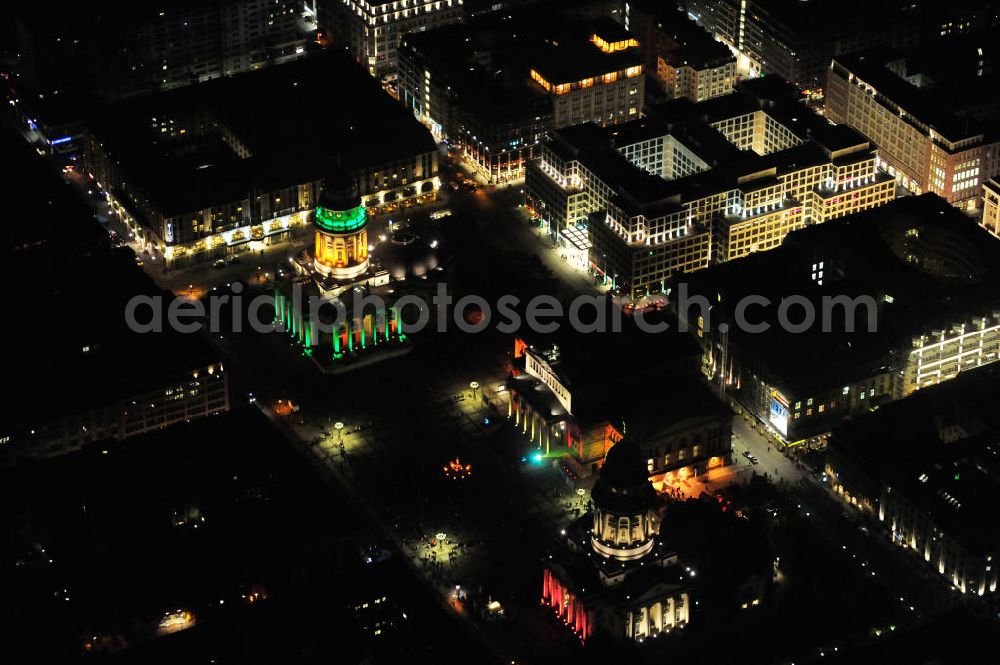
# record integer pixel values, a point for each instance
(339, 426)
(475, 386)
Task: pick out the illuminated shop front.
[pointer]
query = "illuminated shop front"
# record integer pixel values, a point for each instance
(211, 179)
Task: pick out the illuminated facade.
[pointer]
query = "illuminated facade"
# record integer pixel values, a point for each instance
(680, 55)
(625, 525)
(336, 346)
(206, 179)
(698, 84)
(169, 398)
(602, 81)
(941, 354)
(489, 114)
(915, 281)
(922, 141)
(132, 49)
(925, 467)
(796, 40)
(561, 400)
(341, 248)
(372, 29)
(686, 438)
(539, 406)
(614, 576)
(991, 206)
(654, 207)
(493, 87)
(316, 307)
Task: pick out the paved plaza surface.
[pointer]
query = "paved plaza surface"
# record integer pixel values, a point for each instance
(387, 435)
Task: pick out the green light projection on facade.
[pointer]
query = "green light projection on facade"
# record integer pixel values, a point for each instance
(340, 221)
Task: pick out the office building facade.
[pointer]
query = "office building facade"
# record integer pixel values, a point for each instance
(930, 138)
(695, 184)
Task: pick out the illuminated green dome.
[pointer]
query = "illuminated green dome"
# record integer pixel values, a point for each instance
(341, 221)
(340, 209)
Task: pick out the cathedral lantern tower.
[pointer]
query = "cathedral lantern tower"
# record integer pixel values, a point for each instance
(632, 588)
(341, 229)
(625, 523)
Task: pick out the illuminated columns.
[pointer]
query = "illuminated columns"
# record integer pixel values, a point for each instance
(311, 333)
(279, 312)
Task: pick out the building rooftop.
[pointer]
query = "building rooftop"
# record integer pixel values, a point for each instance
(640, 192)
(70, 288)
(951, 91)
(560, 62)
(71, 291)
(697, 47)
(806, 17)
(493, 89)
(598, 368)
(940, 448)
(63, 228)
(199, 146)
(924, 263)
(88, 355)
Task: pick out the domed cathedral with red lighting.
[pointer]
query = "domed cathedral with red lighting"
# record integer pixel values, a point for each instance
(614, 576)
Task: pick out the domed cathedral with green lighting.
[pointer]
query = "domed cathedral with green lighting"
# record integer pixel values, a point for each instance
(340, 264)
(341, 249)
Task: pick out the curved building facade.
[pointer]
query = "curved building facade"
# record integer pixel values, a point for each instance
(341, 230)
(625, 524)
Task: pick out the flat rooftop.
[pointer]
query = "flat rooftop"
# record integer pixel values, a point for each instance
(951, 91)
(925, 263)
(697, 47)
(956, 482)
(294, 120)
(82, 353)
(70, 288)
(493, 91)
(805, 17)
(601, 370)
(63, 228)
(689, 124)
